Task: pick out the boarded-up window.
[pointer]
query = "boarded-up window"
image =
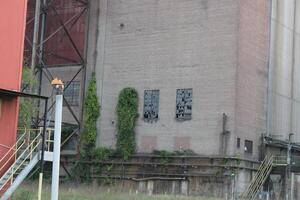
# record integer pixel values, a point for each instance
(151, 105)
(71, 94)
(238, 143)
(184, 104)
(249, 146)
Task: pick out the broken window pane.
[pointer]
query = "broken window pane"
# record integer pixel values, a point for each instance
(184, 104)
(249, 146)
(151, 105)
(71, 94)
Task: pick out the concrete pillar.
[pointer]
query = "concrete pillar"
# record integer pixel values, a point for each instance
(292, 186)
(185, 188)
(150, 187)
(142, 186)
(173, 187)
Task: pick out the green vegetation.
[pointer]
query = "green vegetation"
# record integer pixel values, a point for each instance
(27, 108)
(81, 171)
(91, 114)
(87, 192)
(127, 113)
(102, 153)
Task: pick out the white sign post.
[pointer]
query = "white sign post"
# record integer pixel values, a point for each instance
(57, 138)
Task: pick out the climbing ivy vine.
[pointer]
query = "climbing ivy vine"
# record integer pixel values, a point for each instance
(127, 113)
(91, 115)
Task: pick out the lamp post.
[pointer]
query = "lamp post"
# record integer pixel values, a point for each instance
(59, 87)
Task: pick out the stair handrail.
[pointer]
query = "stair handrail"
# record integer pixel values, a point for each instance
(15, 152)
(32, 149)
(258, 178)
(254, 187)
(259, 171)
(261, 179)
(13, 147)
(262, 175)
(12, 155)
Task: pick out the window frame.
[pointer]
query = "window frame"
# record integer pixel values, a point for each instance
(246, 149)
(153, 92)
(73, 95)
(186, 116)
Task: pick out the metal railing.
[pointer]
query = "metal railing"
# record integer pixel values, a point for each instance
(12, 150)
(260, 177)
(28, 143)
(280, 160)
(31, 149)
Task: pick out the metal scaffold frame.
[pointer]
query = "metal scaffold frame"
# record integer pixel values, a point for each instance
(38, 62)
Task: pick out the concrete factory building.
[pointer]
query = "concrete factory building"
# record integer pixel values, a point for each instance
(213, 76)
(190, 61)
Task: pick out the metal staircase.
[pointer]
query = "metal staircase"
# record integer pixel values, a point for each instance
(20, 159)
(259, 179)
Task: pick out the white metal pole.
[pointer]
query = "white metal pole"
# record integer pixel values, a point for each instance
(56, 149)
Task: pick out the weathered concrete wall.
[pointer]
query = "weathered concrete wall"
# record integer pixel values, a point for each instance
(168, 45)
(285, 50)
(252, 72)
(218, 48)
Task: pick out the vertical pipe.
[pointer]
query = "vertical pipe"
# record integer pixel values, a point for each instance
(35, 32)
(42, 152)
(43, 29)
(292, 130)
(292, 185)
(44, 136)
(270, 70)
(40, 186)
(41, 48)
(224, 135)
(84, 71)
(56, 150)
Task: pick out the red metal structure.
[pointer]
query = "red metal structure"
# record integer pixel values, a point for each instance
(62, 32)
(12, 30)
(61, 39)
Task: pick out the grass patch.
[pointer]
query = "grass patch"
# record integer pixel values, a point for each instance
(28, 191)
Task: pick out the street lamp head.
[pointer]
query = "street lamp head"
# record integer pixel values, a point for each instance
(58, 84)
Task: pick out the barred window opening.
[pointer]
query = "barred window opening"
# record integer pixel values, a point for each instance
(151, 105)
(71, 94)
(184, 104)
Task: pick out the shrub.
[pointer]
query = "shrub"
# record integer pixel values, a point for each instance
(127, 113)
(102, 153)
(91, 114)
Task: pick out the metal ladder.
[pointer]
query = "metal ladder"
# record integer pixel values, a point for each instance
(259, 179)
